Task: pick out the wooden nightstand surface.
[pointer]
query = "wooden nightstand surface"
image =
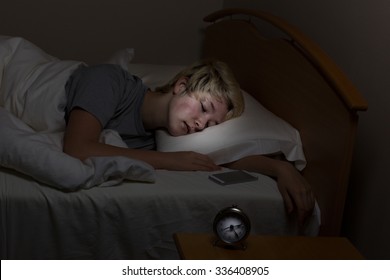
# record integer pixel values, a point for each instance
(199, 246)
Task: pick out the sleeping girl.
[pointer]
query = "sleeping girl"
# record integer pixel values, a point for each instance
(202, 95)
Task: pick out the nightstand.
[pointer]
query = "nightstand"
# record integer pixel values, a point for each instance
(193, 246)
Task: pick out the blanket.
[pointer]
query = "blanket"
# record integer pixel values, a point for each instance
(32, 102)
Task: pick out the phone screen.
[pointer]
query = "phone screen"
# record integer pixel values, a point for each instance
(232, 177)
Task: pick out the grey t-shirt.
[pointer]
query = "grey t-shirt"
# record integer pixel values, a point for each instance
(114, 97)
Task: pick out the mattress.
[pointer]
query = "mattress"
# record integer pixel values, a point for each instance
(133, 220)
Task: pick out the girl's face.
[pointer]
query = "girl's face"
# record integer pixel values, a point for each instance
(189, 114)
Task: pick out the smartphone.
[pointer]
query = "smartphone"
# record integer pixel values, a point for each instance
(232, 177)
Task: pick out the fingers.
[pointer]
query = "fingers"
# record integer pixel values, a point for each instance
(302, 216)
(305, 207)
(204, 163)
(297, 194)
(288, 203)
(192, 161)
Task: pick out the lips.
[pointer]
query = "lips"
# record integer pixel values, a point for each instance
(188, 128)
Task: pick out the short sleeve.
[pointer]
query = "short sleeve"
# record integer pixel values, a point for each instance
(97, 90)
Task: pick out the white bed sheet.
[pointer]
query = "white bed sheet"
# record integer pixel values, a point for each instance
(132, 220)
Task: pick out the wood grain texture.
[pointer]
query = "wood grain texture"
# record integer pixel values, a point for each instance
(201, 246)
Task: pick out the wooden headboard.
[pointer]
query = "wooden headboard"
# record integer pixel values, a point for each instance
(297, 81)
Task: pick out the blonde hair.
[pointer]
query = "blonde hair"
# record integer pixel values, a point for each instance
(215, 78)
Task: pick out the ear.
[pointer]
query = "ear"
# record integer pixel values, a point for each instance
(180, 86)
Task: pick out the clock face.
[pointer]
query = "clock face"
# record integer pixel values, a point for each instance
(231, 226)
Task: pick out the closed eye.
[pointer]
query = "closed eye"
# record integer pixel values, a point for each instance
(203, 107)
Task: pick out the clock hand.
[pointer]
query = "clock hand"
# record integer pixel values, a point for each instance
(231, 227)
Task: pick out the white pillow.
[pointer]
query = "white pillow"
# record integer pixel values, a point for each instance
(122, 57)
(153, 75)
(257, 132)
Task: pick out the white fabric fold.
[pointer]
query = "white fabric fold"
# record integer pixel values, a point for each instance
(32, 100)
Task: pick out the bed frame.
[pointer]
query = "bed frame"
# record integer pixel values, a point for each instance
(297, 81)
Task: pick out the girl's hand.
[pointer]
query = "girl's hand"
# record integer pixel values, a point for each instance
(296, 192)
(190, 161)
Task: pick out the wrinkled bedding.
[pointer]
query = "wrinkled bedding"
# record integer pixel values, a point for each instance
(134, 220)
(32, 100)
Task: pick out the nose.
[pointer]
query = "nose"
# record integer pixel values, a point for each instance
(200, 124)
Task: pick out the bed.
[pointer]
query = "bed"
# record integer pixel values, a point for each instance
(56, 207)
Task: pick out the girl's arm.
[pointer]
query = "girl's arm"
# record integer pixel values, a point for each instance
(295, 190)
(81, 140)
